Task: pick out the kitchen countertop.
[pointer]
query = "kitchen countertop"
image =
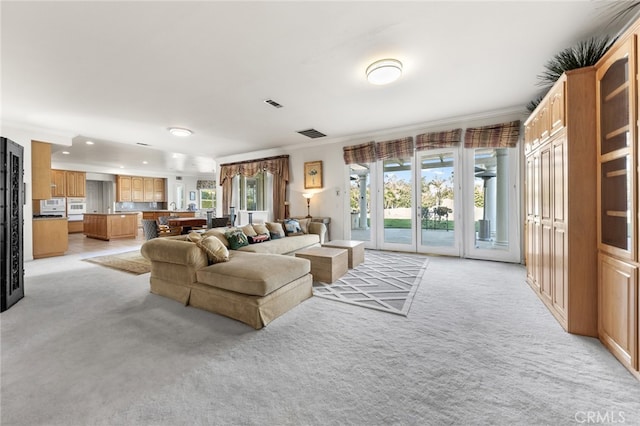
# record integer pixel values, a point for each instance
(50, 218)
(110, 214)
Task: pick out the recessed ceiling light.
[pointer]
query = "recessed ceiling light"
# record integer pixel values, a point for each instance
(122, 167)
(66, 152)
(384, 71)
(89, 142)
(145, 162)
(177, 131)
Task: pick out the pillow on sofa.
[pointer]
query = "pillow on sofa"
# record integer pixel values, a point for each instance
(236, 239)
(194, 236)
(219, 233)
(258, 238)
(275, 230)
(304, 224)
(260, 228)
(248, 230)
(216, 251)
(292, 227)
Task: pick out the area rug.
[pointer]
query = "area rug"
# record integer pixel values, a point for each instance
(130, 261)
(385, 281)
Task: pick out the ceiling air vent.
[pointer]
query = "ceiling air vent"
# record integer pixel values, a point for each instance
(312, 133)
(273, 103)
(142, 143)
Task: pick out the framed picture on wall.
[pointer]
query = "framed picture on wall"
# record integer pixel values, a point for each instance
(192, 195)
(313, 175)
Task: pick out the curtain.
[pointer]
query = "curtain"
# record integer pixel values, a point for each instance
(205, 184)
(363, 153)
(434, 140)
(277, 166)
(396, 148)
(503, 135)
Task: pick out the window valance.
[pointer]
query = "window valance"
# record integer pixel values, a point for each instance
(363, 153)
(277, 166)
(205, 184)
(396, 148)
(503, 135)
(434, 140)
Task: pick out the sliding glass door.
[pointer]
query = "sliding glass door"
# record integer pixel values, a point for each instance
(398, 218)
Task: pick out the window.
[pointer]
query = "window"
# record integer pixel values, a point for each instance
(252, 192)
(207, 199)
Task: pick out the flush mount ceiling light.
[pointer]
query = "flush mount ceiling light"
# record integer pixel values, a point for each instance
(177, 131)
(384, 71)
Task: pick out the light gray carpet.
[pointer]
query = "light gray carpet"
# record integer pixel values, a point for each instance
(91, 346)
(385, 281)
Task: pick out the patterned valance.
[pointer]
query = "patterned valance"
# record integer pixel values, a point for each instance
(434, 140)
(206, 184)
(503, 135)
(277, 166)
(363, 153)
(396, 148)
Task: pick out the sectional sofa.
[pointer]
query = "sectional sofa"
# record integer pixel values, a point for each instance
(257, 284)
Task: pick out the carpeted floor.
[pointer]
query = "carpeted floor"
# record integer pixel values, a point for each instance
(130, 261)
(90, 345)
(386, 281)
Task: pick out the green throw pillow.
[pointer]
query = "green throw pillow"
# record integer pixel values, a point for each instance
(236, 239)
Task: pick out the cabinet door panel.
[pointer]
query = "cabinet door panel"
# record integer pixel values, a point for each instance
(58, 183)
(618, 309)
(560, 272)
(137, 189)
(149, 195)
(545, 181)
(546, 287)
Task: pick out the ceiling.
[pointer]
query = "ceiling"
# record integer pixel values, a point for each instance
(121, 73)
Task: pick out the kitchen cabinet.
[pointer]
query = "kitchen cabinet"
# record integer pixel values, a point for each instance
(155, 214)
(560, 177)
(76, 184)
(159, 189)
(137, 189)
(40, 170)
(149, 194)
(617, 207)
(50, 237)
(108, 226)
(58, 183)
(123, 188)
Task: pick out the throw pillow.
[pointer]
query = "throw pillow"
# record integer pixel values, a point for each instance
(260, 228)
(216, 251)
(275, 228)
(304, 224)
(258, 238)
(236, 239)
(219, 233)
(194, 237)
(292, 227)
(248, 230)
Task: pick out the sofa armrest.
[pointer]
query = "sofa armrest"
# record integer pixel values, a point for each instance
(318, 228)
(177, 251)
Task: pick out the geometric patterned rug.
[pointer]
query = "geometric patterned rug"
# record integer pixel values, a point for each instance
(385, 281)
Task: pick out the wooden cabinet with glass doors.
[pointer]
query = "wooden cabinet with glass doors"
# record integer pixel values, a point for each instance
(560, 177)
(617, 202)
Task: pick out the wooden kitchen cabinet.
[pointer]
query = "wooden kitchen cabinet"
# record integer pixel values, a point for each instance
(137, 189)
(58, 183)
(123, 188)
(159, 189)
(110, 226)
(50, 237)
(40, 170)
(76, 184)
(149, 194)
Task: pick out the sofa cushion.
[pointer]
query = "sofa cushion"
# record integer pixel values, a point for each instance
(266, 274)
(236, 239)
(215, 250)
(260, 228)
(283, 245)
(275, 229)
(248, 230)
(304, 224)
(218, 232)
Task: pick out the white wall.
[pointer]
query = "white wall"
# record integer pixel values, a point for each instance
(24, 137)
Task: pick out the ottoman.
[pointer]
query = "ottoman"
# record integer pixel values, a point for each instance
(327, 264)
(355, 250)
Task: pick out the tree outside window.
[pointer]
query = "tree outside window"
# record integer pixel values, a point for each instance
(207, 199)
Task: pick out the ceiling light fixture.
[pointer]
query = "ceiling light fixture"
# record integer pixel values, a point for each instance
(66, 152)
(177, 131)
(384, 71)
(89, 142)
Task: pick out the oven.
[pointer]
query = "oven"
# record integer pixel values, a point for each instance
(76, 208)
(53, 206)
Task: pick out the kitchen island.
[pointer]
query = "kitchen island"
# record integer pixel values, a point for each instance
(107, 226)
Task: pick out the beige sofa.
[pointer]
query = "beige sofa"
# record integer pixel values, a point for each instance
(256, 285)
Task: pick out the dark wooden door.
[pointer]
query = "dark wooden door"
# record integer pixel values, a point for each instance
(11, 230)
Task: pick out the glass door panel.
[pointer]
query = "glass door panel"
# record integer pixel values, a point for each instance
(397, 200)
(437, 230)
(360, 202)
